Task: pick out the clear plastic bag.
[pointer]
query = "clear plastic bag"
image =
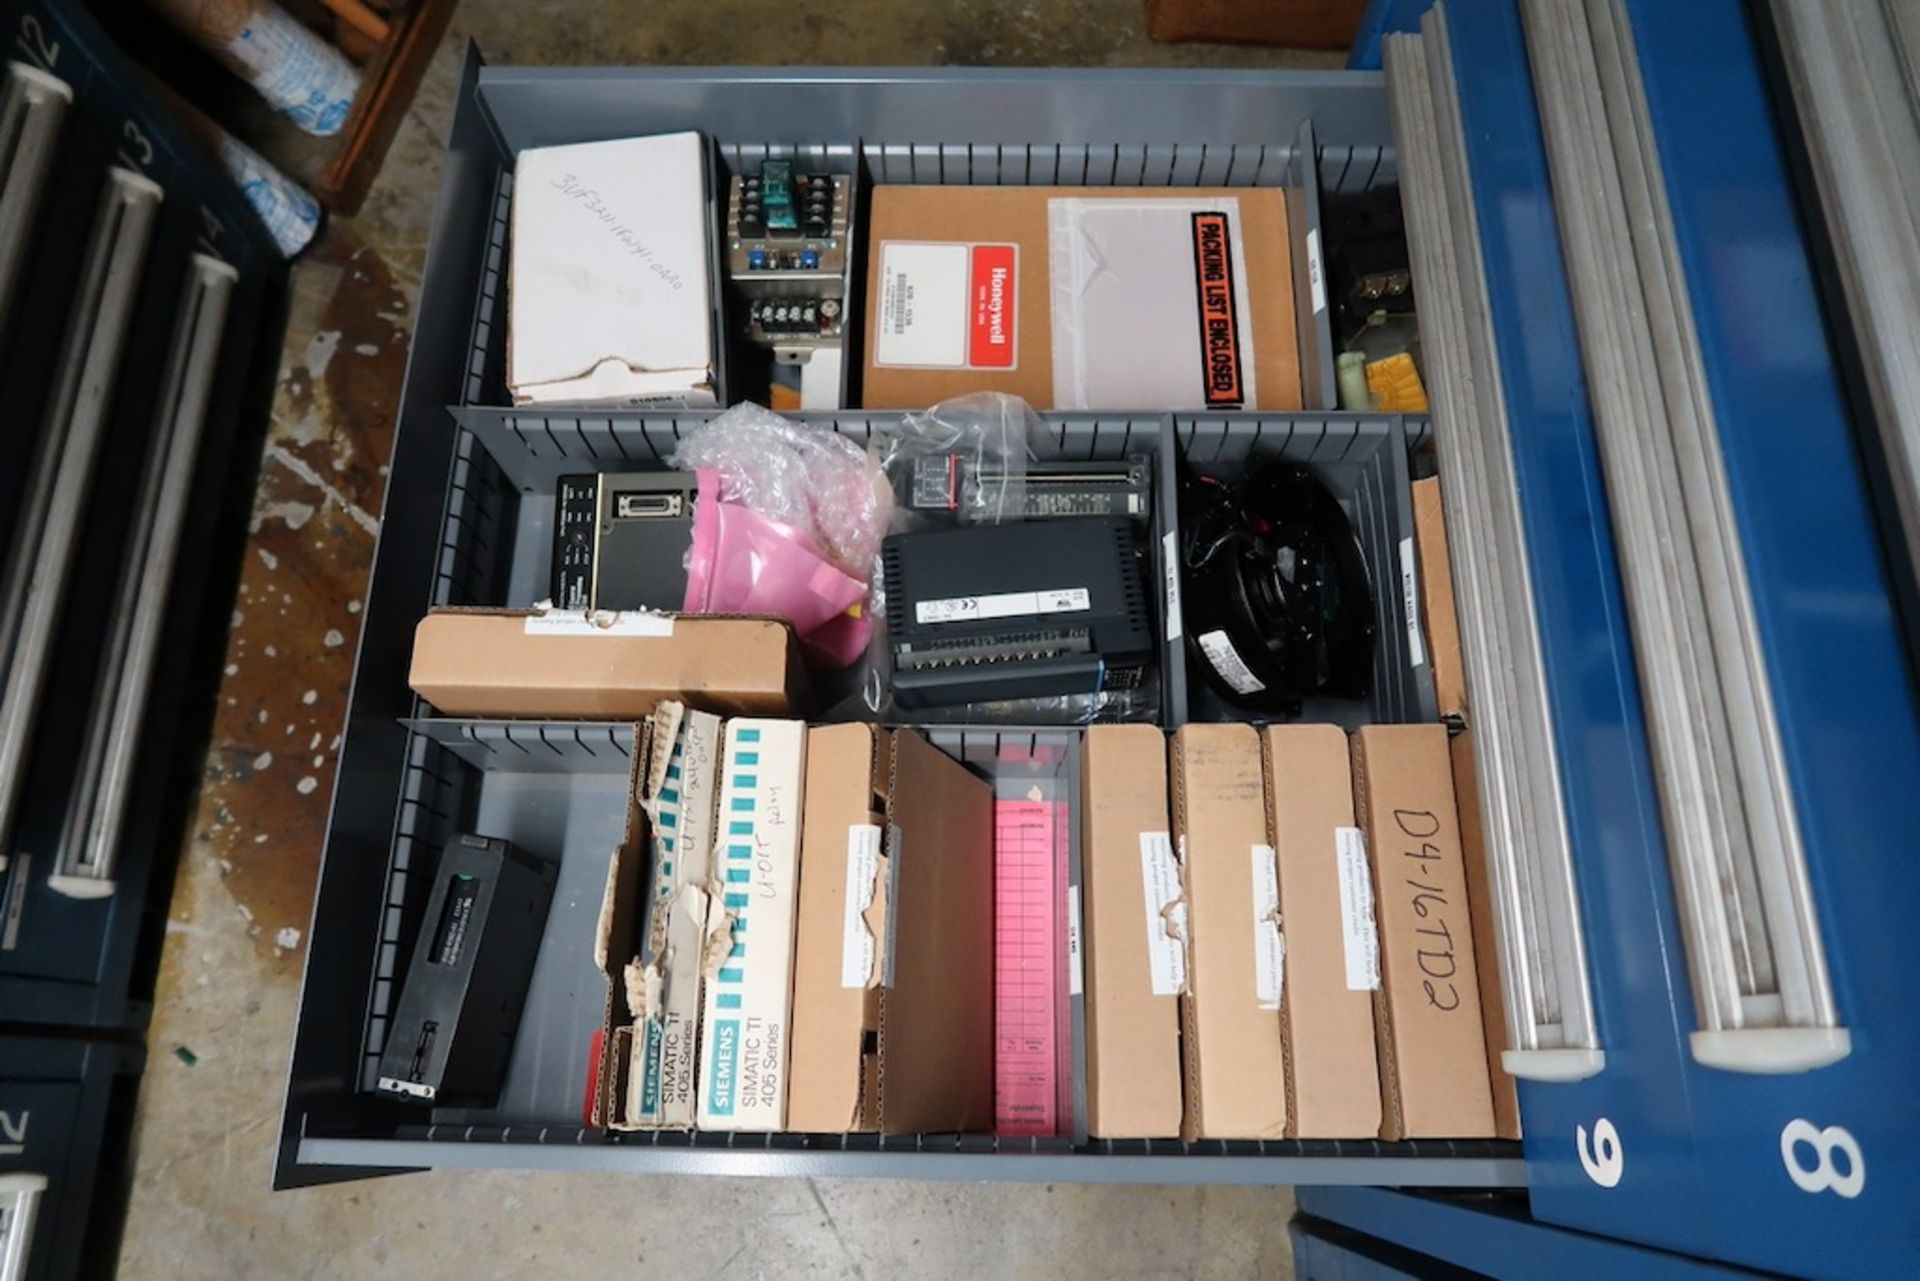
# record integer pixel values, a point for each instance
(807, 478)
(964, 460)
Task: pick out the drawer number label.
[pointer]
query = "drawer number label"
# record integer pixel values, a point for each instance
(1601, 1158)
(1846, 1176)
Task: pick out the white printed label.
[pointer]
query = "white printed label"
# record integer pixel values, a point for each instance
(1170, 558)
(1356, 910)
(1314, 282)
(1226, 660)
(1166, 915)
(948, 305)
(575, 622)
(1410, 601)
(1076, 974)
(1269, 945)
(967, 609)
(856, 940)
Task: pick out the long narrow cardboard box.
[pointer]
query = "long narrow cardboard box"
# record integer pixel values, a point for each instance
(1332, 947)
(893, 972)
(616, 944)
(1135, 915)
(1473, 844)
(1235, 1078)
(1433, 1057)
(1439, 616)
(745, 1025)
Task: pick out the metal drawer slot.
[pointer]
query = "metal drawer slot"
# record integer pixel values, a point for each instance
(31, 112)
(98, 807)
(63, 469)
(1549, 1006)
(1762, 993)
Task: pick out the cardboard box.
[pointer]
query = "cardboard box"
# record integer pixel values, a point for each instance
(608, 288)
(1486, 958)
(561, 664)
(1332, 946)
(1135, 915)
(1235, 1071)
(893, 972)
(1439, 622)
(1433, 1057)
(681, 800)
(1082, 297)
(745, 1027)
(617, 941)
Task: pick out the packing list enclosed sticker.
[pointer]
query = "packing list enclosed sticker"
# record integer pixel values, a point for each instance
(948, 305)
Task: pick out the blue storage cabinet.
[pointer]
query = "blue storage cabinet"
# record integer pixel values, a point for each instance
(1798, 1156)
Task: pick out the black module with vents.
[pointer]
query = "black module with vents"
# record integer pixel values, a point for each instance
(1031, 609)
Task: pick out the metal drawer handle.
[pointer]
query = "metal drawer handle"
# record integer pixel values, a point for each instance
(1543, 965)
(97, 810)
(1763, 994)
(31, 112)
(49, 532)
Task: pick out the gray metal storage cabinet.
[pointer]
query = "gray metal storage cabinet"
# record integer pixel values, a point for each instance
(468, 510)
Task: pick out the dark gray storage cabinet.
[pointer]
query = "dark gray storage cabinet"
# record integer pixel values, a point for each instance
(468, 516)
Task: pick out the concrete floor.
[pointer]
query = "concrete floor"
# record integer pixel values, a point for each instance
(203, 1140)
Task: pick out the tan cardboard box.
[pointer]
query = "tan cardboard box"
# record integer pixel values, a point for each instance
(1332, 947)
(1135, 917)
(967, 292)
(1236, 1074)
(893, 972)
(617, 943)
(1466, 790)
(1433, 1055)
(560, 664)
(1440, 623)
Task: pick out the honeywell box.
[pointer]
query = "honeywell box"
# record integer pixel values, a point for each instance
(569, 665)
(1081, 297)
(1473, 844)
(1433, 1055)
(1332, 948)
(893, 968)
(1135, 919)
(746, 1028)
(653, 926)
(1235, 1070)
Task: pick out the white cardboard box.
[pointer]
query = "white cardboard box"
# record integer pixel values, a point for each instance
(744, 1034)
(608, 291)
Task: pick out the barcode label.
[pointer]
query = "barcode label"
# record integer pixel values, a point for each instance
(1356, 910)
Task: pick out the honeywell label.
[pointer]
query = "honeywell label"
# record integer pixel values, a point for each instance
(967, 609)
(856, 940)
(1227, 662)
(1410, 601)
(1269, 945)
(575, 622)
(1170, 567)
(1356, 910)
(1166, 914)
(948, 305)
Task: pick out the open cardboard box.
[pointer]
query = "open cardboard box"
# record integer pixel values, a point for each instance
(893, 981)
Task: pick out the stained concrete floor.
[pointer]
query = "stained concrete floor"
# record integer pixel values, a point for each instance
(230, 972)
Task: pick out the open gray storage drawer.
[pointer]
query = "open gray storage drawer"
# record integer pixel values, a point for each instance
(467, 520)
